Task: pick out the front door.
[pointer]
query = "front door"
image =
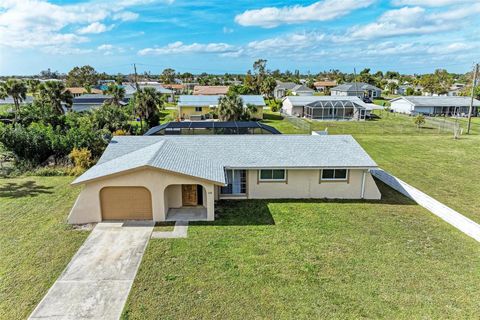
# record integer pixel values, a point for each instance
(189, 195)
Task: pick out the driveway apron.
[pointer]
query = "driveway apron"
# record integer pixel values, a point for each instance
(96, 282)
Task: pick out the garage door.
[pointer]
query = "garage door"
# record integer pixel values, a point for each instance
(126, 203)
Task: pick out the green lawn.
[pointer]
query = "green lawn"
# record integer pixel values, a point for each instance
(35, 242)
(311, 260)
(428, 158)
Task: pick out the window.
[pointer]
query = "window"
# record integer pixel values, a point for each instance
(272, 175)
(198, 109)
(334, 174)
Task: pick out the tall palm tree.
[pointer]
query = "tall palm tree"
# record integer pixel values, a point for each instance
(54, 94)
(230, 107)
(117, 93)
(18, 91)
(148, 103)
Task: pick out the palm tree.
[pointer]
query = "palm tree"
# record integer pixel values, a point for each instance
(54, 94)
(17, 90)
(148, 103)
(117, 93)
(230, 107)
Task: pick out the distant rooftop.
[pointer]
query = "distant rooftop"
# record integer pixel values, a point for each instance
(440, 101)
(352, 86)
(212, 100)
(210, 90)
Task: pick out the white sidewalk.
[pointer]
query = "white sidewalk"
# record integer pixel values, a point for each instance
(447, 214)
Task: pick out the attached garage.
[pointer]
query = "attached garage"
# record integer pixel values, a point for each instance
(126, 203)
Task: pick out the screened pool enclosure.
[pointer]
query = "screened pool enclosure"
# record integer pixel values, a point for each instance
(334, 110)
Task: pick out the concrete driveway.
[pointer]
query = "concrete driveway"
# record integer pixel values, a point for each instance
(96, 283)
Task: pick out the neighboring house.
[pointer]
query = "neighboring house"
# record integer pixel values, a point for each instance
(78, 91)
(359, 89)
(325, 85)
(9, 100)
(177, 88)
(456, 89)
(131, 88)
(326, 107)
(438, 105)
(211, 127)
(87, 102)
(191, 107)
(210, 90)
(283, 88)
(161, 177)
(402, 89)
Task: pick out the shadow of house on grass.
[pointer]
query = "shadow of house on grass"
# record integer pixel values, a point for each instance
(257, 212)
(25, 189)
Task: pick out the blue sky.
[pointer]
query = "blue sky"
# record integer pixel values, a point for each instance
(411, 36)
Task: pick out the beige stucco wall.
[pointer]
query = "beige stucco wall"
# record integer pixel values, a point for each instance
(305, 184)
(87, 207)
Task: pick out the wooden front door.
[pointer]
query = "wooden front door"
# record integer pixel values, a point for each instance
(189, 195)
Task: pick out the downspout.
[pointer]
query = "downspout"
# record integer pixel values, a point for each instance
(362, 195)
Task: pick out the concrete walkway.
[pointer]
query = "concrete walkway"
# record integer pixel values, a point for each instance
(96, 282)
(447, 214)
(179, 231)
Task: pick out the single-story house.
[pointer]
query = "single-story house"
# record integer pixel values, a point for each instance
(163, 178)
(177, 88)
(88, 102)
(131, 88)
(326, 107)
(78, 91)
(456, 89)
(210, 90)
(283, 88)
(211, 127)
(359, 89)
(437, 105)
(325, 85)
(199, 107)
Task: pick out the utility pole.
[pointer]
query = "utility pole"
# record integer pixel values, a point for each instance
(470, 110)
(136, 87)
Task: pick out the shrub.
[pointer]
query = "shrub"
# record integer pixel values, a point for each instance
(81, 158)
(119, 132)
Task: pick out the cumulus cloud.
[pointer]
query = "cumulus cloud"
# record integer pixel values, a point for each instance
(95, 27)
(105, 47)
(270, 17)
(33, 23)
(403, 21)
(180, 47)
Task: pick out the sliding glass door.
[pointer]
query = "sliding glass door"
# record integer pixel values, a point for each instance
(236, 182)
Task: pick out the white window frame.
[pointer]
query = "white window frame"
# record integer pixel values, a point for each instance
(272, 180)
(334, 179)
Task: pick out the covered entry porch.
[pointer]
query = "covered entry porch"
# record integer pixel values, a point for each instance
(186, 202)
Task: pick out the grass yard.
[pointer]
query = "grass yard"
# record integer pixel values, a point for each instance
(430, 160)
(311, 260)
(35, 242)
(440, 166)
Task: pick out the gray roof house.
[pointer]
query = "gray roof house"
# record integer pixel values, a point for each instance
(359, 89)
(436, 105)
(326, 107)
(168, 178)
(282, 88)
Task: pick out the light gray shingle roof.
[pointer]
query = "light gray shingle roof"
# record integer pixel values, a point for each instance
(207, 157)
(212, 100)
(359, 86)
(442, 101)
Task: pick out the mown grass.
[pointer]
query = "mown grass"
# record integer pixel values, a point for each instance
(445, 168)
(36, 244)
(311, 260)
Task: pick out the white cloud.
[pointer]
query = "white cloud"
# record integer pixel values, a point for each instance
(270, 17)
(430, 3)
(179, 47)
(125, 16)
(403, 21)
(105, 47)
(95, 27)
(290, 42)
(36, 23)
